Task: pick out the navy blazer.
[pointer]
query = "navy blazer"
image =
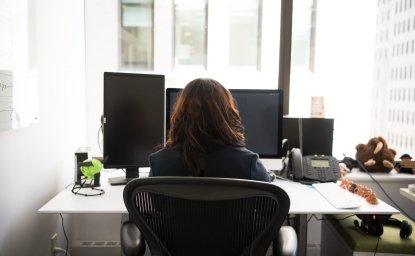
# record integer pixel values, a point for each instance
(226, 162)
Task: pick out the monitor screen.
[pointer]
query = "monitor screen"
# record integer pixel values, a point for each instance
(133, 121)
(261, 112)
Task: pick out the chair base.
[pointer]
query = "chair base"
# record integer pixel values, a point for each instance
(286, 242)
(132, 241)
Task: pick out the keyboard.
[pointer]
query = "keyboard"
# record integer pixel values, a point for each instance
(336, 196)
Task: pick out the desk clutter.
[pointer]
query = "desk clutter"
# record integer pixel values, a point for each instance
(342, 237)
(376, 156)
(373, 224)
(87, 174)
(359, 189)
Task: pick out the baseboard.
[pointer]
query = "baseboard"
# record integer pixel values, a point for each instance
(96, 248)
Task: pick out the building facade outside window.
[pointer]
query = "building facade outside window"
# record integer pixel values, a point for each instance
(206, 34)
(303, 34)
(190, 33)
(244, 31)
(393, 98)
(237, 43)
(137, 34)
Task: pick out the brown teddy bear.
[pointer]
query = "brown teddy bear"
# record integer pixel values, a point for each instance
(375, 155)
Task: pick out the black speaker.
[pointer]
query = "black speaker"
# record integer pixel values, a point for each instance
(80, 155)
(314, 136)
(371, 227)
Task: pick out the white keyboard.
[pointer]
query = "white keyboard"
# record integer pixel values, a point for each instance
(336, 196)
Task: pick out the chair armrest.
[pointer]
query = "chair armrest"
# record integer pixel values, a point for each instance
(286, 243)
(132, 241)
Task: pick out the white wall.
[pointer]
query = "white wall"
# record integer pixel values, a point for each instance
(37, 161)
(102, 47)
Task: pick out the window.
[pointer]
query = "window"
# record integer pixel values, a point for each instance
(303, 35)
(244, 31)
(235, 23)
(184, 39)
(137, 34)
(190, 33)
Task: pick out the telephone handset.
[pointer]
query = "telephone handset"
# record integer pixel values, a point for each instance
(314, 167)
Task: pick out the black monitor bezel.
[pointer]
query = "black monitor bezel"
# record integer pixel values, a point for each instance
(279, 92)
(132, 169)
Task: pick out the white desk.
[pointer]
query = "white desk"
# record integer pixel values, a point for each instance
(405, 192)
(304, 200)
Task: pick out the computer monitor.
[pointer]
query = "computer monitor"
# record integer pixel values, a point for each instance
(133, 121)
(261, 112)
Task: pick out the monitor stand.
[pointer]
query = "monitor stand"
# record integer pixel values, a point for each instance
(130, 174)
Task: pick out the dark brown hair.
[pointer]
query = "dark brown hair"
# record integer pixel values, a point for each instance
(205, 117)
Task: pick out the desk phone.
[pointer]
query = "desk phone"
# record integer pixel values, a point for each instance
(314, 167)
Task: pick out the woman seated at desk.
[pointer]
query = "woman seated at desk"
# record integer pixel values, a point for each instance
(206, 137)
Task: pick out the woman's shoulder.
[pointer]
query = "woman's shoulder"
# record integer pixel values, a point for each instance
(243, 161)
(164, 152)
(237, 150)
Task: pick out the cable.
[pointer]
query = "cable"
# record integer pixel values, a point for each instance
(376, 248)
(380, 186)
(321, 219)
(348, 216)
(384, 192)
(99, 141)
(66, 238)
(278, 174)
(67, 186)
(284, 164)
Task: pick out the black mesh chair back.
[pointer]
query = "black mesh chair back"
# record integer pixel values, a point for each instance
(206, 216)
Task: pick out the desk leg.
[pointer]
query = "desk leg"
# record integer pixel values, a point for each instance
(300, 226)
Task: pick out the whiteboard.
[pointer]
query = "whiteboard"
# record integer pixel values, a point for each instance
(6, 99)
(18, 74)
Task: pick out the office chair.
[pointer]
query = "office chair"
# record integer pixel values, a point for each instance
(206, 216)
